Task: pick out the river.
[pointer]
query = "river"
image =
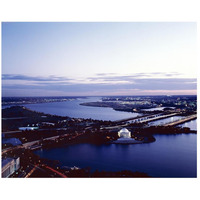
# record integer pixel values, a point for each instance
(74, 109)
(169, 156)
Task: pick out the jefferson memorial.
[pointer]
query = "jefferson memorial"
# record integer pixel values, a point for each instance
(125, 138)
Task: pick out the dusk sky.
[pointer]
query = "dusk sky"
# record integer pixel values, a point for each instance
(77, 59)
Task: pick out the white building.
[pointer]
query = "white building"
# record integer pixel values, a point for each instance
(9, 166)
(28, 128)
(124, 133)
(125, 138)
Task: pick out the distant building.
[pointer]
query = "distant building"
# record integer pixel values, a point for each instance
(28, 128)
(48, 123)
(9, 166)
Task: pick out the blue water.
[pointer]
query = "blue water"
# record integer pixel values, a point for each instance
(191, 124)
(73, 109)
(13, 141)
(169, 156)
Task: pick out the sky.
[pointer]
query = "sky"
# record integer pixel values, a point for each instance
(87, 59)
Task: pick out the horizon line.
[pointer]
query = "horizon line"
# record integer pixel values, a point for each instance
(101, 95)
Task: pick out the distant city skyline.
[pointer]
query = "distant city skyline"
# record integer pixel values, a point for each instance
(88, 59)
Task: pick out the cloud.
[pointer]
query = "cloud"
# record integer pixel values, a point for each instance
(106, 78)
(33, 78)
(151, 84)
(98, 85)
(105, 74)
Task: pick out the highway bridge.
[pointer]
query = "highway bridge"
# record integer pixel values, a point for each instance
(141, 119)
(180, 121)
(146, 118)
(157, 117)
(134, 118)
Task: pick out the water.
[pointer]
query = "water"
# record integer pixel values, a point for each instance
(191, 124)
(169, 156)
(73, 109)
(13, 141)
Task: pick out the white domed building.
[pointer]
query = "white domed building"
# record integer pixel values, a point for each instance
(125, 137)
(124, 133)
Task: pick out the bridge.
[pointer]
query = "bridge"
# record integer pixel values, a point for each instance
(185, 119)
(135, 118)
(146, 118)
(141, 119)
(157, 117)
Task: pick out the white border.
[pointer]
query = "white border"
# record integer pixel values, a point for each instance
(104, 10)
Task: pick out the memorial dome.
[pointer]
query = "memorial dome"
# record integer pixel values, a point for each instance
(124, 133)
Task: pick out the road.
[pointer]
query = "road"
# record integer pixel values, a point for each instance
(9, 132)
(29, 144)
(57, 172)
(31, 172)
